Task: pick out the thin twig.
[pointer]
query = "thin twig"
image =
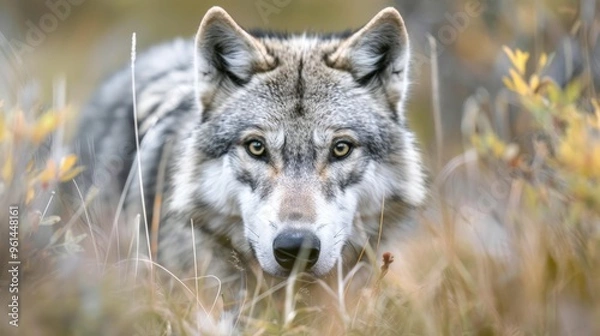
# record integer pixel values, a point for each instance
(380, 225)
(158, 200)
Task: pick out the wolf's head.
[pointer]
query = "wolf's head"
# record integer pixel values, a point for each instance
(300, 136)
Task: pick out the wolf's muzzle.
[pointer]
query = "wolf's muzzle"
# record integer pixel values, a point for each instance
(294, 246)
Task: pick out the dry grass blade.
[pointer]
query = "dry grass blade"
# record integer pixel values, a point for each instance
(138, 159)
(435, 98)
(89, 223)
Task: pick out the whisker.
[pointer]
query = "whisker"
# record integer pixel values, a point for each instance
(252, 231)
(338, 233)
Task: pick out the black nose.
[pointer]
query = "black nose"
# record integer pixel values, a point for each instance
(296, 245)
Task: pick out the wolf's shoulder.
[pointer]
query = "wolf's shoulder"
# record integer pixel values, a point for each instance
(164, 80)
(151, 65)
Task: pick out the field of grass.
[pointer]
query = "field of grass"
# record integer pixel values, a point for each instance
(510, 244)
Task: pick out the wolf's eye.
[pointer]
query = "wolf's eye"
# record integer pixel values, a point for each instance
(256, 148)
(341, 149)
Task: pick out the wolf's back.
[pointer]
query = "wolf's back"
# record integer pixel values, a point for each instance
(106, 140)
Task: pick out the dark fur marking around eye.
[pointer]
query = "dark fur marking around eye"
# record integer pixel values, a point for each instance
(222, 136)
(244, 177)
(265, 191)
(354, 178)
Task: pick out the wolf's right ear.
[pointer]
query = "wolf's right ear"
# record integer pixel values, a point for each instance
(225, 50)
(377, 55)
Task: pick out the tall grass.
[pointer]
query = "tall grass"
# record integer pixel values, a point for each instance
(518, 252)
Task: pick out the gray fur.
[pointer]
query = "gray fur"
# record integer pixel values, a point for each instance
(297, 94)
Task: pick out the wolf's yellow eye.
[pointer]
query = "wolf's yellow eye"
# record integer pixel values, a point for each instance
(341, 149)
(256, 148)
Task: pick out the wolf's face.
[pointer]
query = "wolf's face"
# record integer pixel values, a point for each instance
(299, 136)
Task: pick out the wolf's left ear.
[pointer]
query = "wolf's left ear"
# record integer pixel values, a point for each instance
(225, 51)
(378, 54)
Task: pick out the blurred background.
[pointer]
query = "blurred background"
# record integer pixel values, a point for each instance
(83, 41)
(57, 51)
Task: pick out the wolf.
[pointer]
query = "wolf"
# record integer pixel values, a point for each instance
(279, 149)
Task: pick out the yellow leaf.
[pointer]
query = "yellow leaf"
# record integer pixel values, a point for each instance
(29, 167)
(510, 54)
(498, 147)
(596, 122)
(71, 174)
(518, 59)
(554, 92)
(49, 173)
(596, 104)
(3, 129)
(44, 126)
(67, 163)
(521, 86)
(572, 92)
(508, 83)
(8, 169)
(542, 61)
(522, 58)
(29, 196)
(534, 82)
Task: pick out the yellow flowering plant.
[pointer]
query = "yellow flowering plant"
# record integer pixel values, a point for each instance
(25, 173)
(571, 132)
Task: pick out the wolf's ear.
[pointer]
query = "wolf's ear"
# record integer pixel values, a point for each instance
(225, 50)
(377, 54)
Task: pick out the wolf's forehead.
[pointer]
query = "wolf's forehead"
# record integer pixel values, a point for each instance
(303, 86)
(292, 46)
(301, 61)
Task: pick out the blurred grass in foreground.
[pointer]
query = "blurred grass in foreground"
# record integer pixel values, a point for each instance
(544, 279)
